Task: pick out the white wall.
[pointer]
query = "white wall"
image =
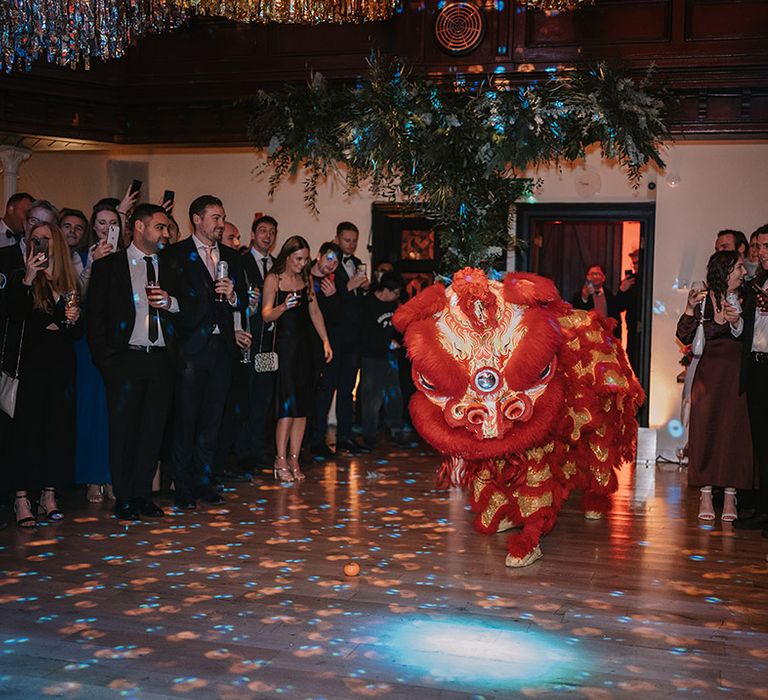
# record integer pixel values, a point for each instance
(81, 179)
(720, 185)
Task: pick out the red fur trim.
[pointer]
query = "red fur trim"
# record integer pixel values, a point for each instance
(426, 303)
(430, 359)
(536, 349)
(598, 502)
(526, 289)
(519, 544)
(471, 286)
(428, 419)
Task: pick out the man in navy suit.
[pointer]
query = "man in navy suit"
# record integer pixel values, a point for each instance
(132, 342)
(254, 443)
(206, 334)
(341, 374)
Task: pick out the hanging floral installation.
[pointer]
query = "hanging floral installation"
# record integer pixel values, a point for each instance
(455, 151)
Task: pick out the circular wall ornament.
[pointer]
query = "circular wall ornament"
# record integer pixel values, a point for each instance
(459, 27)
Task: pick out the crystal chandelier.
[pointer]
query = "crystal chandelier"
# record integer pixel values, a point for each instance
(72, 32)
(556, 6)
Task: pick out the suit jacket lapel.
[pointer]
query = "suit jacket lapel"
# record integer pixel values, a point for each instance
(198, 266)
(123, 280)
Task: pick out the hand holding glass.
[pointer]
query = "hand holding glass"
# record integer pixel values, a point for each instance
(71, 300)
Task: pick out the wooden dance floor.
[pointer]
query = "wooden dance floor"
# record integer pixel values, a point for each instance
(249, 600)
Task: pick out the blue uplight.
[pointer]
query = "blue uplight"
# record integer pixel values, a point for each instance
(479, 653)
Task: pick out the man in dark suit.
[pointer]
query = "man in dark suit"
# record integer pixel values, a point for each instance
(132, 342)
(754, 378)
(341, 374)
(595, 295)
(206, 334)
(12, 223)
(253, 444)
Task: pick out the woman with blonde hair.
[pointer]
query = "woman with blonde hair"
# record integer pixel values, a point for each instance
(44, 302)
(290, 302)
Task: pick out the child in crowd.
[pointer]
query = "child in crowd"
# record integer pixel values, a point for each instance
(379, 361)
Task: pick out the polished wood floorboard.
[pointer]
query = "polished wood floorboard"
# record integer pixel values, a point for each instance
(249, 600)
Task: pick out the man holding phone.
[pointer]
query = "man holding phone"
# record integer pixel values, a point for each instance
(340, 375)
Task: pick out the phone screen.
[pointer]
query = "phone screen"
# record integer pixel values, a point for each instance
(169, 196)
(135, 186)
(41, 246)
(113, 236)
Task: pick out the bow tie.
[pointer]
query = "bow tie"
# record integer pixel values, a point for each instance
(346, 259)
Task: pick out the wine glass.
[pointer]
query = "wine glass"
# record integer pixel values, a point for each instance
(71, 299)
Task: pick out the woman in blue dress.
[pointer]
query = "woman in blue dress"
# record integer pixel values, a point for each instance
(92, 441)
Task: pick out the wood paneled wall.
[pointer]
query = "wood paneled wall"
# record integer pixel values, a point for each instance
(184, 87)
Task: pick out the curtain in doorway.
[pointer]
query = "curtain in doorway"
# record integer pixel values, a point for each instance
(569, 248)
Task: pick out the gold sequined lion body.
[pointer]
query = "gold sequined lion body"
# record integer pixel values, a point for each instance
(526, 397)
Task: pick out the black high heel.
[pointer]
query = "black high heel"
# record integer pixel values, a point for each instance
(28, 521)
(54, 514)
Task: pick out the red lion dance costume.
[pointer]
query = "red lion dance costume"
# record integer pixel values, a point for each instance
(527, 398)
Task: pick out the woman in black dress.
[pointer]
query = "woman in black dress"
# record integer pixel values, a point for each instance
(42, 439)
(719, 444)
(290, 302)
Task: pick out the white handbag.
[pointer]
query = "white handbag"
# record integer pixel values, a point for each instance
(9, 384)
(697, 347)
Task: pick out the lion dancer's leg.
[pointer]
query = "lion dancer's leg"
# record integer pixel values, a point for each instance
(601, 481)
(532, 504)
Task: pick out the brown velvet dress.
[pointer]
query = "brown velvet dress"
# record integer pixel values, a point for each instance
(719, 439)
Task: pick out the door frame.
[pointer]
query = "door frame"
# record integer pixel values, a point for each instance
(645, 213)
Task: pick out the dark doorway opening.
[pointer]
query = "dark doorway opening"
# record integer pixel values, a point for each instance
(561, 241)
(407, 240)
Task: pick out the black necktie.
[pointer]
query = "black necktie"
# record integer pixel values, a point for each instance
(153, 313)
(264, 265)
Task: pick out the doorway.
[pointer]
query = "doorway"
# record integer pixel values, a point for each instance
(406, 239)
(561, 241)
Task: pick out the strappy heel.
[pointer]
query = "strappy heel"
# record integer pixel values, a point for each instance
(295, 468)
(730, 511)
(283, 473)
(53, 514)
(706, 509)
(94, 493)
(28, 521)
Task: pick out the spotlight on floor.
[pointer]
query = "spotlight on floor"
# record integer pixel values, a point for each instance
(479, 653)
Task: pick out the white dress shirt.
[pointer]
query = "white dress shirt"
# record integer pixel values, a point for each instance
(137, 267)
(760, 337)
(260, 258)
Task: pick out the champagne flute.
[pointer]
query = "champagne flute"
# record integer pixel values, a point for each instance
(71, 300)
(245, 352)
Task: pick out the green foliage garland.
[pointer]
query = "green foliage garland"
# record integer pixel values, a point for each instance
(451, 151)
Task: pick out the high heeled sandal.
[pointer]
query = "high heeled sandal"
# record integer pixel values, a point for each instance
(730, 511)
(298, 475)
(94, 493)
(709, 513)
(28, 521)
(108, 492)
(55, 513)
(283, 473)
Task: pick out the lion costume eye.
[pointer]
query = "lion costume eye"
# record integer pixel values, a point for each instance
(545, 372)
(425, 383)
